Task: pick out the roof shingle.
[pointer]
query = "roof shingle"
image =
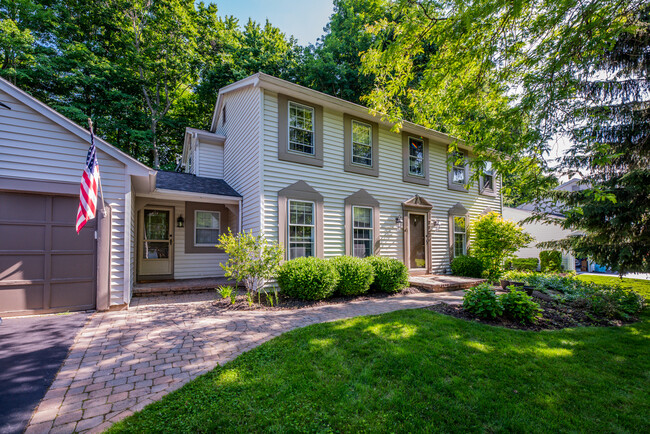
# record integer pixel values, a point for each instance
(193, 184)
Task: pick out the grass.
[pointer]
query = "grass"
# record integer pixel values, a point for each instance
(639, 285)
(417, 370)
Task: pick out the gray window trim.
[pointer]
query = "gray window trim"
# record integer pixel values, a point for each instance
(363, 199)
(303, 192)
(406, 175)
(451, 185)
(348, 165)
(226, 219)
(195, 228)
(457, 210)
(283, 133)
(488, 191)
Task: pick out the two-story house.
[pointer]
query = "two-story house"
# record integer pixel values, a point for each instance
(317, 174)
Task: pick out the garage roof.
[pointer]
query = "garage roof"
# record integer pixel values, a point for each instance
(186, 182)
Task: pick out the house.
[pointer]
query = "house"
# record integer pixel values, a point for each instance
(315, 173)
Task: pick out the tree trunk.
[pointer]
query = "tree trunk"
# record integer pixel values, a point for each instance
(156, 157)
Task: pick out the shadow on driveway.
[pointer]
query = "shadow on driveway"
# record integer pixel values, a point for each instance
(31, 352)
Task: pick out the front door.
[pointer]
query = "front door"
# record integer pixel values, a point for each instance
(156, 253)
(417, 241)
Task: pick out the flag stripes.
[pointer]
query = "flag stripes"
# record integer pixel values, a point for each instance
(88, 188)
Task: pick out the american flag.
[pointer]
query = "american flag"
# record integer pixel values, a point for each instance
(89, 183)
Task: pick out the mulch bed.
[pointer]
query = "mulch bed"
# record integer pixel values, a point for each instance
(555, 316)
(286, 303)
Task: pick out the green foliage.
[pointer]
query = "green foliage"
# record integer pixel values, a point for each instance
(551, 261)
(606, 300)
(482, 301)
(519, 306)
(355, 275)
(225, 291)
(251, 259)
(467, 266)
(308, 278)
(495, 240)
(391, 275)
(524, 264)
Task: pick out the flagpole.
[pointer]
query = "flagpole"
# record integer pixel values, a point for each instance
(101, 190)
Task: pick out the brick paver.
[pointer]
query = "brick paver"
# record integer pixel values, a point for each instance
(122, 361)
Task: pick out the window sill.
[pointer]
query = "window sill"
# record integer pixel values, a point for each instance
(490, 193)
(413, 179)
(457, 187)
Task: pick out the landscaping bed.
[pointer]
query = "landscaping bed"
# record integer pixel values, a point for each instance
(289, 303)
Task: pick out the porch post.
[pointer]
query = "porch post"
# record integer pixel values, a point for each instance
(103, 298)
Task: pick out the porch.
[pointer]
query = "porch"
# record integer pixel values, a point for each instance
(442, 283)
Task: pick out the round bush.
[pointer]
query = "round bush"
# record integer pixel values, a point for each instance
(355, 275)
(308, 278)
(482, 301)
(466, 266)
(519, 306)
(391, 275)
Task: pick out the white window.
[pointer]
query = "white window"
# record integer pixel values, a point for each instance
(458, 169)
(361, 144)
(362, 231)
(460, 236)
(301, 229)
(207, 228)
(301, 128)
(488, 177)
(416, 157)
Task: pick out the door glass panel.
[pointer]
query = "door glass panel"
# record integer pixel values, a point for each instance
(156, 250)
(156, 224)
(417, 232)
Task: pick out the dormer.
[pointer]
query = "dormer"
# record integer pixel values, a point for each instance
(203, 153)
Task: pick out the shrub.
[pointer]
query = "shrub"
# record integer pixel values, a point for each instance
(495, 240)
(605, 300)
(482, 301)
(390, 274)
(355, 275)
(308, 278)
(466, 266)
(524, 264)
(519, 306)
(551, 261)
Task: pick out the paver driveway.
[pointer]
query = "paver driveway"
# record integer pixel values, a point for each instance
(122, 361)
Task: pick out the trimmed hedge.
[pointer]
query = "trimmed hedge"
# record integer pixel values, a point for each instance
(466, 266)
(355, 275)
(524, 264)
(391, 275)
(551, 261)
(308, 278)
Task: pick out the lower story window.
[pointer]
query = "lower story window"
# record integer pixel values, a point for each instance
(460, 236)
(207, 226)
(301, 229)
(362, 231)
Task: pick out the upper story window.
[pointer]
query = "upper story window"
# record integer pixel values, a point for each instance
(361, 144)
(459, 173)
(300, 131)
(362, 231)
(207, 226)
(301, 128)
(487, 181)
(301, 229)
(416, 157)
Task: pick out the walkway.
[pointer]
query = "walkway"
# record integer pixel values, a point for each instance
(122, 361)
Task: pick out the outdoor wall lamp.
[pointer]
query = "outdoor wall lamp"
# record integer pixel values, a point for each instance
(180, 222)
(435, 225)
(399, 221)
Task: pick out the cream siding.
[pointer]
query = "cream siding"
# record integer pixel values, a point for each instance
(32, 146)
(389, 189)
(241, 152)
(210, 157)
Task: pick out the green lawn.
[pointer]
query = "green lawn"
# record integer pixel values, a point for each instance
(417, 370)
(639, 285)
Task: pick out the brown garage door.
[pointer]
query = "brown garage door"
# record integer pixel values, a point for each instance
(44, 265)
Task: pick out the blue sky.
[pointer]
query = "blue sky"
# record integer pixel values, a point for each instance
(303, 19)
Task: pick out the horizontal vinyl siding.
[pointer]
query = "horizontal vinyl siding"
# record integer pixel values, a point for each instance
(32, 146)
(389, 189)
(241, 152)
(210, 160)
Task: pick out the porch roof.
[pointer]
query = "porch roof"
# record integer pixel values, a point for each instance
(186, 182)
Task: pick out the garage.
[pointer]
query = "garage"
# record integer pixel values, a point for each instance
(44, 265)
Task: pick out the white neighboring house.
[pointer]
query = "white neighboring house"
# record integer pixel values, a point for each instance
(317, 174)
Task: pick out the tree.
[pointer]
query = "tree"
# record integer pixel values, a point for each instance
(494, 241)
(612, 152)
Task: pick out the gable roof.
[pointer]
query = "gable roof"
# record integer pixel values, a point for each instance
(278, 85)
(133, 166)
(189, 183)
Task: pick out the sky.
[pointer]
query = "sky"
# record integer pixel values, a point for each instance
(303, 19)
